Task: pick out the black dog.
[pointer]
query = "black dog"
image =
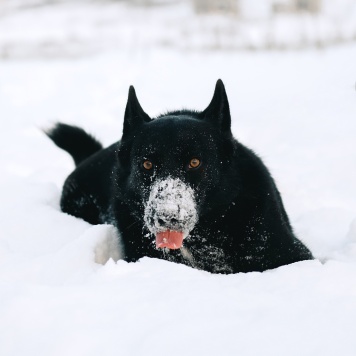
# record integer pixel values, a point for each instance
(181, 188)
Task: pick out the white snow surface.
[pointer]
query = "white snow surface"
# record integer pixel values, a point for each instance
(296, 109)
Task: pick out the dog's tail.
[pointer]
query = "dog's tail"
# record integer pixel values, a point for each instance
(79, 144)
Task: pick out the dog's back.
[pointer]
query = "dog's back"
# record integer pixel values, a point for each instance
(83, 195)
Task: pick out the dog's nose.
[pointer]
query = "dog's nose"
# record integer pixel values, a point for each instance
(161, 221)
(167, 222)
(170, 206)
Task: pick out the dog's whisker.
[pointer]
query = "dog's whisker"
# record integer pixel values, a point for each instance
(188, 256)
(131, 225)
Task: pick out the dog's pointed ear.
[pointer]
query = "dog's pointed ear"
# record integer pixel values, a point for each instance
(218, 111)
(134, 114)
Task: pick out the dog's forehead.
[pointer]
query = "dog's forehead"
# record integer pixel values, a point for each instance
(176, 133)
(178, 129)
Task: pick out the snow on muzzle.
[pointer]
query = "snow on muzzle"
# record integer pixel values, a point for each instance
(170, 212)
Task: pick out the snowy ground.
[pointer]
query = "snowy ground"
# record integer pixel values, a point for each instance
(296, 109)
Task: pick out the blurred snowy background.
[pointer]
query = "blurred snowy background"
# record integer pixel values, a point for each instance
(289, 67)
(79, 27)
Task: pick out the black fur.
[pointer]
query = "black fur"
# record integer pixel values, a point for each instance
(75, 141)
(242, 223)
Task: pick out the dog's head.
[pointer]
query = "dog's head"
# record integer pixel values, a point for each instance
(172, 167)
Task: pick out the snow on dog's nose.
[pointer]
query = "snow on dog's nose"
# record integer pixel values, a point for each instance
(170, 212)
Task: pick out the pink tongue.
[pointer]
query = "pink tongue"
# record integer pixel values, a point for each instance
(169, 239)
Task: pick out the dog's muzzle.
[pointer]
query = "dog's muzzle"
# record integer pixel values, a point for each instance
(170, 212)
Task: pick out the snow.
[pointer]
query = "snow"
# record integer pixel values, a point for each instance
(296, 109)
(70, 28)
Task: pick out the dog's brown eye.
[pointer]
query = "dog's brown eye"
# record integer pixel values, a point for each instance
(194, 163)
(148, 165)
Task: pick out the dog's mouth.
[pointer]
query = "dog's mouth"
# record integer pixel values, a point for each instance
(169, 239)
(170, 212)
